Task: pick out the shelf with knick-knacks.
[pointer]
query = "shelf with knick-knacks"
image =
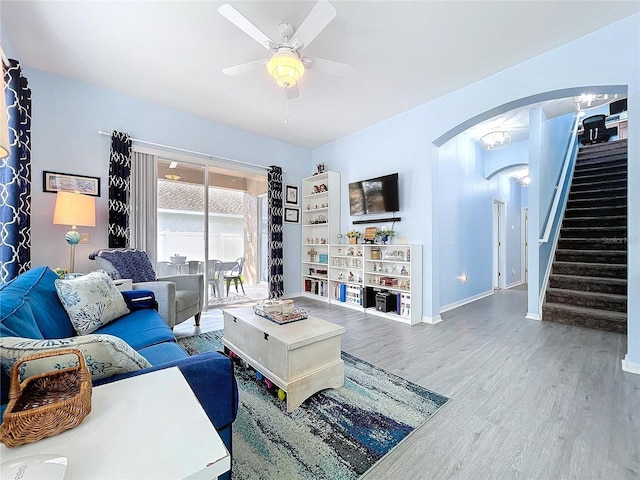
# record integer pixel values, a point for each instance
(320, 209)
(360, 274)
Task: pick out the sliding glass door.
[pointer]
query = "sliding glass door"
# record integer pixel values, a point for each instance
(208, 213)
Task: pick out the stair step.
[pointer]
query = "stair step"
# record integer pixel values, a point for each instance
(604, 221)
(605, 243)
(600, 301)
(613, 200)
(597, 193)
(606, 185)
(612, 155)
(616, 286)
(612, 257)
(594, 232)
(601, 148)
(600, 177)
(585, 317)
(604, 210)
(607, 270)
(600, 164)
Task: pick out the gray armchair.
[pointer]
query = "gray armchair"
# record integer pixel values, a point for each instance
(179, 297)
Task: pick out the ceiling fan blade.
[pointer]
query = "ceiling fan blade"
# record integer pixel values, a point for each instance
(323, 12)
(329, 66)
(245, 67)
(240, 21)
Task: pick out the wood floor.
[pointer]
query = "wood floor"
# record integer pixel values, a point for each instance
(529, 399)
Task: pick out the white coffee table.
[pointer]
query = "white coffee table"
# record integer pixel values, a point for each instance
(146, 427)
(301, 357)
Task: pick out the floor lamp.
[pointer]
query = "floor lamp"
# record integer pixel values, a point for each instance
(74, 209)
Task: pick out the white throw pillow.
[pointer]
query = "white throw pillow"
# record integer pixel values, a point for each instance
(91, 301)
(105, 355)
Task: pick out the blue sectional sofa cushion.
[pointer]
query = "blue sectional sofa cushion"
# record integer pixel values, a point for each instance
(16, 318)
(50, 316)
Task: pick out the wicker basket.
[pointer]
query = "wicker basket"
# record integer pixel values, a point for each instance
(46, 404)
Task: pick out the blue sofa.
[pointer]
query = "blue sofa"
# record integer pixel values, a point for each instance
(30, 308)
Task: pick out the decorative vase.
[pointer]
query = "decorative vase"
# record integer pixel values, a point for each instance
(353, 240)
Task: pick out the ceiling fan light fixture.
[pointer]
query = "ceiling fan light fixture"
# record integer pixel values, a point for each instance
(495, 140)
(286, 68)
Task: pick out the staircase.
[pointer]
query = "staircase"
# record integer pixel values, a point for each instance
(588, 283)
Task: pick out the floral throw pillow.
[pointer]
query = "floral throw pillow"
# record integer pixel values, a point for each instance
(91, 301)
(105, 355)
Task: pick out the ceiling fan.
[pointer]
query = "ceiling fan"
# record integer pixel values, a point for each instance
(287, 64)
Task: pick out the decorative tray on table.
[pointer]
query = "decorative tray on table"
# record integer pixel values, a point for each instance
(280, 317)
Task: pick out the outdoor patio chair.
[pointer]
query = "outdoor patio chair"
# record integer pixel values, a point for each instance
(235, 276)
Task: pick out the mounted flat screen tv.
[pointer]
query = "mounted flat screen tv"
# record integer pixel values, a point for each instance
(376, 195)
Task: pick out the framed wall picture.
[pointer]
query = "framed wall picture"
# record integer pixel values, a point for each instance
(292, 215)
(291, 195)
(56, 181)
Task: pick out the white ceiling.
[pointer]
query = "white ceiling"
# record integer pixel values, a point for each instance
(404, 53)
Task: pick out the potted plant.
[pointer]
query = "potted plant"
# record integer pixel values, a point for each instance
(384, 234)
(353, 235)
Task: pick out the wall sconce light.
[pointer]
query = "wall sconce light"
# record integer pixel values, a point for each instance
(463, 278)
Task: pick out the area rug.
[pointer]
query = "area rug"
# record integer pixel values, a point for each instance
(336, 434)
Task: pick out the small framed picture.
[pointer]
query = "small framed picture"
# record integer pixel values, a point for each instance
(56, 182)
(291, 195)
(292, 215)
(319, 168)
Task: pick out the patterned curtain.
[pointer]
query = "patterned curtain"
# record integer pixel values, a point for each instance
(119, 177)
(274, 261)
(15, 177)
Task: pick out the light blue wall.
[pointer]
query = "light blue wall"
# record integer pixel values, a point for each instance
(497, 160)
(464, 227)
(558, 133)
(66, 118)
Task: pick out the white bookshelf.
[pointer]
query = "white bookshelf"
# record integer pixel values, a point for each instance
(358, 272)
(320, 225)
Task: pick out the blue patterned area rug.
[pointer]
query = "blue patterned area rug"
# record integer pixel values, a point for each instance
(336, 434)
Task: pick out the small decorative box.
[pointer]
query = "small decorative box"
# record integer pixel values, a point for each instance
(324, 258)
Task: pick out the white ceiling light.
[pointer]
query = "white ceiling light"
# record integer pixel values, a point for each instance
(592, 100)
(495, 140)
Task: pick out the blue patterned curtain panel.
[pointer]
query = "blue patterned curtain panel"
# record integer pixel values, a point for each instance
(119, 187)
(15, 177)
(274, 261)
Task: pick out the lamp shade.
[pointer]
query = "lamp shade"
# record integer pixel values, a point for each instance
(286, 68)
(74, 209)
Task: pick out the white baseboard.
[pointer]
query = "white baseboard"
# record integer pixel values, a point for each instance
(462, 302)
(533, 316)
(515, 284)
(431, 320)
(629, 366)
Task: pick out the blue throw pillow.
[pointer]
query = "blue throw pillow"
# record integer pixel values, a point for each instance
(131, 263)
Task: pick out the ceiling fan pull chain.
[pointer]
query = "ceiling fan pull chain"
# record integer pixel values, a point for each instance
(286, 104)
